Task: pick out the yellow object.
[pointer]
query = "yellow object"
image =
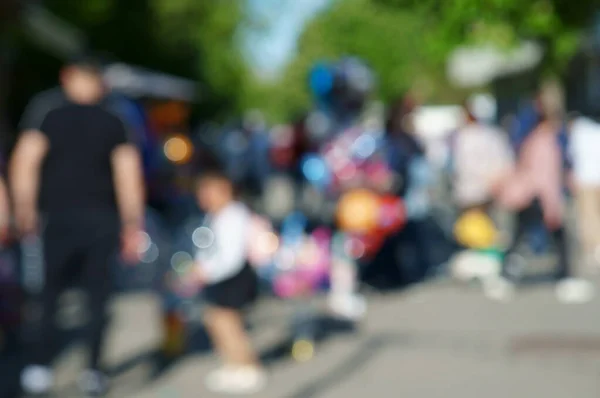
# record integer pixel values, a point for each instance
(475, 230)
(358, 211)
(303, 350)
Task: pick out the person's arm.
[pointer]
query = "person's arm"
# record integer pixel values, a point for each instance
(130, 195)
(24, 167)
(24, 177)
(129, 184)
(4, 211)
(230, 251)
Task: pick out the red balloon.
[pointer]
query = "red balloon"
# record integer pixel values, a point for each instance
(366, 245)
(392, 214)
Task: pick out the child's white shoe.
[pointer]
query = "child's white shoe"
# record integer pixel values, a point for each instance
(237, 381)
(349, 306)
(575, 291)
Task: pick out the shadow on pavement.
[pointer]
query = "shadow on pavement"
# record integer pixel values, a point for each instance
(366, 352)
(323, 328)
(198, 344)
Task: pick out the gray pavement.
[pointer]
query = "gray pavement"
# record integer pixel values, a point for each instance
(436, 340)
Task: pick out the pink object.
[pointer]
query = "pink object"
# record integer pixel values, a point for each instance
(378, 171)
(322, 263)
(538, 175)
(287, 285)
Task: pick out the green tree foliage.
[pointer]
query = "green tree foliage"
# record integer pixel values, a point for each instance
(188, 38)
(211, 29)
(408, 41)
(556, 23)
(389, 38)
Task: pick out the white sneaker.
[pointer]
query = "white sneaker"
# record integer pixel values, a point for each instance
(575, 291)
(240, 381)
(93, 383)
(498, 289)
(217, 379)
(37, 380)
(352, 307)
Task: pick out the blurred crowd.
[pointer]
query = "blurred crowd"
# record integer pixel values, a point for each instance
(351, 193)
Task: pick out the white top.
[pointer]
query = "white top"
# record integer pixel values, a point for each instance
(480, 154)
(227, 254)
(585, 151)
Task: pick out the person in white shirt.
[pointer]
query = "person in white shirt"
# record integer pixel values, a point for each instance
(229, 285)
(584, 151)
(480, 156)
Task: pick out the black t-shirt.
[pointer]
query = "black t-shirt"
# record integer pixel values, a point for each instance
(76, 173)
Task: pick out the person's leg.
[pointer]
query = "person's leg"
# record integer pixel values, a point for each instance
(100, 258)
(224, 321)
(521, 227)
(571, 286)
(502, 288)
(588, 220)
(99, 255)
(227, 330)
(57, 251)
(559, 236)
(585, 209)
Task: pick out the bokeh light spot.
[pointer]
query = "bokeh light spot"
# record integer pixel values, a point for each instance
(203, 237)
(145, 243)
(315, 170)
(303, 350)
(364, 146)
(181, 262)
(179, 149)
(151, 255)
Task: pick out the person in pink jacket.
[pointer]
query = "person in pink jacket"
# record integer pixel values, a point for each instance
(535, 191)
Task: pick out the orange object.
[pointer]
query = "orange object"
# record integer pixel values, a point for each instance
(170, 114)
(174, 329)
(179, 149)
(358, 211)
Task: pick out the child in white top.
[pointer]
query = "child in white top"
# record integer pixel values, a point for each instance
(229, 285)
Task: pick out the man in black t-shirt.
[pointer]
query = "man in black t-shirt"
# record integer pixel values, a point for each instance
(77, 182)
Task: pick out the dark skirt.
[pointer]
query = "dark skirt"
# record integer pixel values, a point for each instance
(236, 292)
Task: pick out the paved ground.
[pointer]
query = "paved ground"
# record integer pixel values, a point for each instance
(438, 340)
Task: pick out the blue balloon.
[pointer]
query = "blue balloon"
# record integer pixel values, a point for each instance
(293, 228)
(321, 80)
(365, 146)
(315, 170)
